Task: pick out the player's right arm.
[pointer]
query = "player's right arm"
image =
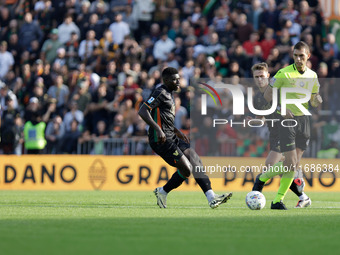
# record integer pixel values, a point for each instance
(144, 113)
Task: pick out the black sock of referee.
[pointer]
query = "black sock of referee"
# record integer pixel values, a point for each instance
(294, 188)
(175, 181)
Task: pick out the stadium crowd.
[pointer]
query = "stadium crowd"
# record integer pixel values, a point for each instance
(81, 69)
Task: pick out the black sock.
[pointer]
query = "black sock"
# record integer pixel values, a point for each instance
(203, 181)
(175, 181)
(294, 188)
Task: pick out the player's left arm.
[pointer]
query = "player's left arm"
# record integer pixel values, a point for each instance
(180, 135)
(316, 99)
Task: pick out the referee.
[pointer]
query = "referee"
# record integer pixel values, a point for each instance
(293, 140)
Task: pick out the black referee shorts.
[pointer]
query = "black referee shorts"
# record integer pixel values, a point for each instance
(295, 137)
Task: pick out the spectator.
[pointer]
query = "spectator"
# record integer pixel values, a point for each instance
(6, 60)
(9, 132)
(181, 114)
(107, 50)
(87, 47)
(29, 32)
(288, 12)
(99, 136)
(294, 30)
(331, 49)
(60, 92)
(119, 29)
(244, 28)
(163, 47)
(45, 17)
(61, 58)
(238, 55)
(270, 16)
(268, 42)
(73, 114)
(130, 88)
(70, 139)
(255, 14)
(220, 20)
(251, 43)
(55, 132)
(144, 10)
(72, 48)
(38, 91)
(66, 28)
(95, 25)
(5, 92)
(213, 45)
(97, 109)
(111, 74)
(304, 13)
(84, 16)
(50, 47)
(284, 43)
(15, 48)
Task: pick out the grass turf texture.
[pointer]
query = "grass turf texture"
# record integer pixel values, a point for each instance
(131, 223)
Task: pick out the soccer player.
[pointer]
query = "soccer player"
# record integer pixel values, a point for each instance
(171, 144)
(261, 77)
(293, 140)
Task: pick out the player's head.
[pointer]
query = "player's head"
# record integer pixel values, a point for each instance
(301, 54)
(170, 78)
(260, 74)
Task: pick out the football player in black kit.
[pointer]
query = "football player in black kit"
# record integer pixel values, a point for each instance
(171, 144)
(261, 77)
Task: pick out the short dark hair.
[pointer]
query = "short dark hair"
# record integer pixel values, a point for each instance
(301, 45)
(260, 66)
(167, 72)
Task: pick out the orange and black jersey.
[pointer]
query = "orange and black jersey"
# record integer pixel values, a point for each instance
(162, 106)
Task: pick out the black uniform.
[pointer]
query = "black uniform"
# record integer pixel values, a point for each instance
(260, 103)
(162, 108)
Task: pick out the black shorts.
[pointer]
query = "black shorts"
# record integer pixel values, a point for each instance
(295, 137)
(171, 150)
(274, 139)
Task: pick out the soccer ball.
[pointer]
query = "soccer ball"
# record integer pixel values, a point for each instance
(255, 200)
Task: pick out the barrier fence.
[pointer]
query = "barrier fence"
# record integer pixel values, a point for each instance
(81, 172)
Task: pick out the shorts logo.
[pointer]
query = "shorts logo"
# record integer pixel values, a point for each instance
(290, 144)
(176, 153)
(151, 100)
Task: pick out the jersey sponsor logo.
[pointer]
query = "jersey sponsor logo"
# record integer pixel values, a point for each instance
(302, 84)
(175, 153)
(151, 100)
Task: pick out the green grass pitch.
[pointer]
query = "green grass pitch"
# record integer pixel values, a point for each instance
(102, 222)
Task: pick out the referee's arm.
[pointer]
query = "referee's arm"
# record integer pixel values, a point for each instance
(315, 100)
